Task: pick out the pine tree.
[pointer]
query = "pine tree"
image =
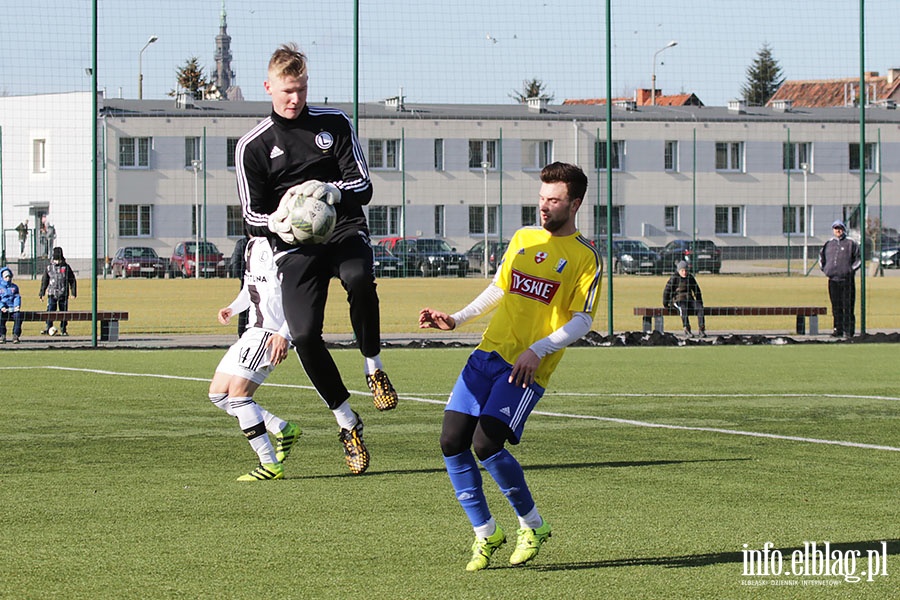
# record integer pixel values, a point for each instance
(763, 78)
(533, 88)
(190, 78)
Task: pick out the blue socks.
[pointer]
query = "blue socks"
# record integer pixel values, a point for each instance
(466, 479)
(508, 474)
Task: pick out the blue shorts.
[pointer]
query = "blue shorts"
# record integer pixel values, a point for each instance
(483, 388)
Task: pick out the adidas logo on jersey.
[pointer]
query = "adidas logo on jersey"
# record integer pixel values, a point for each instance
(276, 152)
(505, 411)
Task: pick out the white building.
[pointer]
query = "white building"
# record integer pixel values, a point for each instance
(721, 172)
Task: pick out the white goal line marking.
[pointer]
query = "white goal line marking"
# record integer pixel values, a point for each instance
(773, 436)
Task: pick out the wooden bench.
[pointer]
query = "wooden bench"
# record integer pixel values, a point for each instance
(653, 315)
(109, 320)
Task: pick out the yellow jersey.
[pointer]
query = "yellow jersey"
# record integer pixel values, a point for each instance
(544, 279)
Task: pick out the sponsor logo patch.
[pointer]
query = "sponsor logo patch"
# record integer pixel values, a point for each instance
(535, 288)
(540, 257)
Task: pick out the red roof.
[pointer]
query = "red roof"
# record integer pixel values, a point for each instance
(824, 93)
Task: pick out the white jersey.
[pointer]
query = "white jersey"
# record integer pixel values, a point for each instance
(262, 290)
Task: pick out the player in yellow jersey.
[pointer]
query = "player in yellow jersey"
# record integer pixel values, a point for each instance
(545, 294)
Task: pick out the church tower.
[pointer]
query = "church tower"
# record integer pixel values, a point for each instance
(223, 80)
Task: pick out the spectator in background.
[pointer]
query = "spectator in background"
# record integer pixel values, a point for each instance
(10, 303)
(22, 229)
(51, 237)
(237, 270)
(683, 293)
(42, 238)
(57, 281)
(839, 259)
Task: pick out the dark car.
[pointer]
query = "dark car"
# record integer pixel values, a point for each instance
(427, 257)
(386, 264)
(184, 259)
(475, 255)
(701, 255)
(137, 261)
(632, 256)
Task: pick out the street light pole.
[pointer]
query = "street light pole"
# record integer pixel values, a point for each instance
(653, 77)
(484, 169)
(152, 39)
(805, 168)
(196, 166)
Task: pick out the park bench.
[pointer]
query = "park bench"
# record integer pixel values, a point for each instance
(109, 320)
(653, 315)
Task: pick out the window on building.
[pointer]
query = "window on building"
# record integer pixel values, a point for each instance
(39, 156)
(439, 220)
(670, 157)
(870, 158)
(476, 220)
(384, 220)
(672, 218)
(730, 156)
(191, 150)
(134, 153)
(529, 215)
(618, 151)
(795, 155)
(438, 154)
(234, 221)
(600, 220)
(792, 219)
(230, 147)
(482, 151)
(134, 220)
(384, 154)
(850, 215)
(536, 154)
(729, 220)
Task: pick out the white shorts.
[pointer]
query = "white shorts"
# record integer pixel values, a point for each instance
(249, 357)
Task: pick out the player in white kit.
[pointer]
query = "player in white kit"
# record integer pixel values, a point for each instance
(249, 361)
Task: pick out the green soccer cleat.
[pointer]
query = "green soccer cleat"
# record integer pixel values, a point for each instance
(284, 441)
(264, 472)
(384, 396)
(529, 544)
(355, 452)
(484, 548)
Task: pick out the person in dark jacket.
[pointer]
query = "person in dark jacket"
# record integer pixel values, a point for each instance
(10, 305)
(683, 293)
(58, 280)
(839, 259)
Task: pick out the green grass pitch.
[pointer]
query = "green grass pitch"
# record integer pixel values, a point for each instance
(655, 467)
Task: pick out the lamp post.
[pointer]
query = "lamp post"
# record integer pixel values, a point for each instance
(484, 169)
(653, 77)
(152, 39)
(196, 165)
(805, 168)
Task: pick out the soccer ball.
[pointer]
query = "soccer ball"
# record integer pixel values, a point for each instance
(312, 221)
(52, 331)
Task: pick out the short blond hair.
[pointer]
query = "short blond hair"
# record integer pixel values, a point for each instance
(288, 61)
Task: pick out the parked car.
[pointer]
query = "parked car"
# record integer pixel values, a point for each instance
(890, 258)
(475, 255)
(182, 263)
(386, 264)
(137, 261)
(427, 257)
(632, 256)
(704, 256)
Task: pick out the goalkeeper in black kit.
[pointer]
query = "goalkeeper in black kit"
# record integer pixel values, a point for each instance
(314, 151)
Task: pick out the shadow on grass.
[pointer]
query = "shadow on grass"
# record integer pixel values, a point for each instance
(527, 468)
(716, 558)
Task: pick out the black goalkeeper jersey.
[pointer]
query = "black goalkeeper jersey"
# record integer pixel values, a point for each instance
(280, 153)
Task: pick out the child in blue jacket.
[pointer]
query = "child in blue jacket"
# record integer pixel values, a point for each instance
(10, 304)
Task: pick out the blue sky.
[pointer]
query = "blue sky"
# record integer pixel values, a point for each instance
(466, 51)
